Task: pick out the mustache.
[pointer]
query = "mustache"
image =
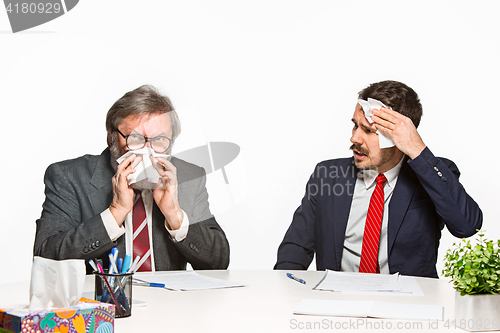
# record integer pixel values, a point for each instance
(358, 149)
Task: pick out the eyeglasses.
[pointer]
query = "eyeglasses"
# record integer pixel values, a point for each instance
(160, 144)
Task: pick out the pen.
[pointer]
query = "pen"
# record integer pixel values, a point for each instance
(115, 254)
(119, 265)
(291, 276)
(92, 263)
(147, 284)
(113, 265)
(126, 263)
(111, 258)
(132, 267)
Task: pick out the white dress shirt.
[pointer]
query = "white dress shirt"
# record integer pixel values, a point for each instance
(353, 241)
(127, 228)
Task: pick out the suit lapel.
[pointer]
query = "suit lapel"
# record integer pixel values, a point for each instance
(401, 198)
(341, 208)
(101, 196)
(183, 182)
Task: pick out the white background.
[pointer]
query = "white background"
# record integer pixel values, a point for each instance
(278, 78)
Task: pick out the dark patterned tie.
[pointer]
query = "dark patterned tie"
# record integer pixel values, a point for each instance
(141, 235)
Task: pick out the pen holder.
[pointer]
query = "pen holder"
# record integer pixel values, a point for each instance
(115, 289)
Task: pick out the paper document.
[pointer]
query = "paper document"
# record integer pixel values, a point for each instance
(369, 283)
(372, 309)
(189, 281)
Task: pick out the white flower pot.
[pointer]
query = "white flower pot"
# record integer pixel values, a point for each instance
(477, 312)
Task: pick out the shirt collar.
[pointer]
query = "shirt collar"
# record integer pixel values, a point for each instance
(369, 176)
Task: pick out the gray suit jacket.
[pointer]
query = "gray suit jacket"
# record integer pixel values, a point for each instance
(76, 193)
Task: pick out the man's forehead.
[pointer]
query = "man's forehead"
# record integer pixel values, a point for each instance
(147, 122)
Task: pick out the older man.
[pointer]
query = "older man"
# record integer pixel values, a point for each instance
(91, 205)
(383, 209)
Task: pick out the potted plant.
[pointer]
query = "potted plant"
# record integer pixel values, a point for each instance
(475, 273)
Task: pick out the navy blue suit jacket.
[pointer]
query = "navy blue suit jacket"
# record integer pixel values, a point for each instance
(427, 197)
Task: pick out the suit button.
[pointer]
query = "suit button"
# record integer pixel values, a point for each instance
(443, 179)
(97, 243)
(93, 245)
(440, 174)
(193, 247)
(85, 250)
(435, 168)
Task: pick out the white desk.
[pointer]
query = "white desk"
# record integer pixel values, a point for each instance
(265, 304)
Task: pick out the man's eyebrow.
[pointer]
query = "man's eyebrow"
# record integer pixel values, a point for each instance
(367, 127)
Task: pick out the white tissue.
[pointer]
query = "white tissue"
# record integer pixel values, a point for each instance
(384, 140)
(56, 283)
(145, 175)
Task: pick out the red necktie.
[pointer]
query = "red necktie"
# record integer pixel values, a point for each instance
(141, 235)
(371, 236)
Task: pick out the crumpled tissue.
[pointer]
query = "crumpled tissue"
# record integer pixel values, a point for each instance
(384, 140)
(56, 283)
(145, 175)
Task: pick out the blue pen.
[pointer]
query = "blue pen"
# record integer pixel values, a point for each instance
(126, 263)
(147, 284)
(113, 251)
(291, 276)
(119, 265)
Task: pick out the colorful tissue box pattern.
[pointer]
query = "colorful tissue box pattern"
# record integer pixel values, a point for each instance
(88, 316)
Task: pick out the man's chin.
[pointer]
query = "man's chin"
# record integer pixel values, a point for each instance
(363, 164)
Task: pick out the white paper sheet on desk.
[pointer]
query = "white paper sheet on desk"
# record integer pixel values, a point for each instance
(369, 283)
(371, 309)
(189, 281)
(384, 140)
(145, 175)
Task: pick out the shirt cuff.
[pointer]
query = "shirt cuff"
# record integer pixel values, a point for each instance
(180, 233)
(114, 231)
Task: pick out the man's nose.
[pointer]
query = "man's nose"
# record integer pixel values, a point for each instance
(356, 137)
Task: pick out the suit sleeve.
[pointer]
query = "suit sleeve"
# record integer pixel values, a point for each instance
(205, 245)
(439, 177)
(296, 251)
(61, 233)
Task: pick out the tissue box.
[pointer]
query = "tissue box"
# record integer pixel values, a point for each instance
(88, 316)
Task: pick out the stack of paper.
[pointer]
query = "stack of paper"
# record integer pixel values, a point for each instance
(369, 283)
(369, 309)
(189, 281)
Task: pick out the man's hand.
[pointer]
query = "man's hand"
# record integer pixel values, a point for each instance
(165, 193)
(401, 130)
(123, 194)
